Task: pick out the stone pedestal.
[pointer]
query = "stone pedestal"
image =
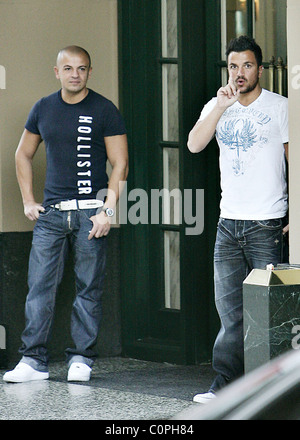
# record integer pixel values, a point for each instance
(271, 314)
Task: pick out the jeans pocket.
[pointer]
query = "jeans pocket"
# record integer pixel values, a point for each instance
(275, 223)
(46, 213)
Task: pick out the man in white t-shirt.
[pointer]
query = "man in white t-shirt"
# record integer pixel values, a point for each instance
(251, 127)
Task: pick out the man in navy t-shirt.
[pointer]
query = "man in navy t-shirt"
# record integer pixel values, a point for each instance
(81, 130)
(74, 139)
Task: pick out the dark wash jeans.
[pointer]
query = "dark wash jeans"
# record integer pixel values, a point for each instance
(55, 233)
(241, 245)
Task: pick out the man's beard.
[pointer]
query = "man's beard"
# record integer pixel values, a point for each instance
(250, 86)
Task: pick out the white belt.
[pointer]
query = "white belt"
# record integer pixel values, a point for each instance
(73, 205)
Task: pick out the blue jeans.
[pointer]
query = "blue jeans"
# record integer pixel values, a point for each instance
(241, 245)
(54, 233)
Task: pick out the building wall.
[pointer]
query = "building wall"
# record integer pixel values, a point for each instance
(31, 34)
(293, 20)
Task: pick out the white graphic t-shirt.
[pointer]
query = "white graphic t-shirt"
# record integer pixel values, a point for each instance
(252, 160)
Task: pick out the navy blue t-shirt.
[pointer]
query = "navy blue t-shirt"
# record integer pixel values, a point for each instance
(74, 140)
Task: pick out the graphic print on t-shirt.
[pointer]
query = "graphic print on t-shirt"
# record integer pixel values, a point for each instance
(243, 133)
(84, 173)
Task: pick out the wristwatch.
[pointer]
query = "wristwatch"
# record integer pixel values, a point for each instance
(109, 212)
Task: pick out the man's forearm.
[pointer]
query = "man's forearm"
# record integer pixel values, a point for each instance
(116, 184)
(204, 130)
(25, 178)
(25, 152)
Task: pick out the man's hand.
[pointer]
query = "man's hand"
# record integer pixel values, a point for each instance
(286, 229)
(32, 210)
(227, 95)
(101, 225)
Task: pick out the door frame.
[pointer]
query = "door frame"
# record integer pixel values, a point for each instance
(199, 77)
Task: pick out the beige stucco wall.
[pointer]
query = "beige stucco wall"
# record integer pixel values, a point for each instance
(293, 18)
(31, 34)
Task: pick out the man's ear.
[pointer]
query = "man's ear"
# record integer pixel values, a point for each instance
(56, 72)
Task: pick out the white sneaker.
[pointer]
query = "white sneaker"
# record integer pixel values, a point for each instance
(24, 373)
(204, 398)
(79, 371)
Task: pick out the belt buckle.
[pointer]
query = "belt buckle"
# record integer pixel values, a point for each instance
(68, 205)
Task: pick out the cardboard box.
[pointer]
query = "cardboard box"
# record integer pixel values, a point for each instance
(271, 308)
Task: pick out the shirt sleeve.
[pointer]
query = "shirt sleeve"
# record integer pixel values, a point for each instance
(32, 120)
(207, 108)
(113, 121)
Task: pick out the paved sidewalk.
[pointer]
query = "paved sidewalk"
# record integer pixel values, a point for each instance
(119, 389)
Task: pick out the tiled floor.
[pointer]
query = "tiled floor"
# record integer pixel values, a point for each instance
(120, 389)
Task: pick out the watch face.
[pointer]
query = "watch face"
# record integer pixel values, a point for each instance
(109, 212)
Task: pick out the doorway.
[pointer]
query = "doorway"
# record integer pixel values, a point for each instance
(172, 61)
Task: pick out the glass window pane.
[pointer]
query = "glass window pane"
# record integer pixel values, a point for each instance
(172, 207)
(172, 270)
(234, 21)
(169, 28)
(270, 32)
(170, 102)
(270, 28)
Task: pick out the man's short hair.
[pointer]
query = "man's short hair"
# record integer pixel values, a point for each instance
(243, 43)
(75, 50)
